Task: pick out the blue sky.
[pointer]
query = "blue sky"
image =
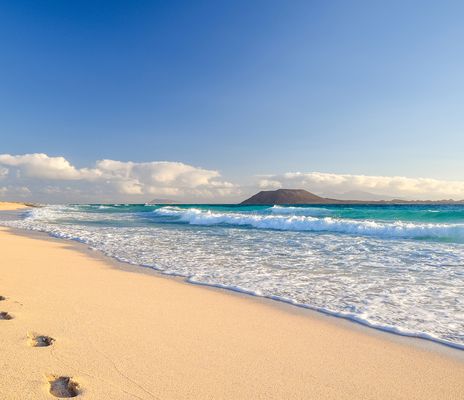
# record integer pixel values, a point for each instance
(244, 88)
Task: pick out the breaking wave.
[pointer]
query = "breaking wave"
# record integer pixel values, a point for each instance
(291, 222)
(367, 264)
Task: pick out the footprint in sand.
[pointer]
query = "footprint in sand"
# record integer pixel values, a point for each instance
(39, 340)
(2, 298)
(63, 386)
(5, 316)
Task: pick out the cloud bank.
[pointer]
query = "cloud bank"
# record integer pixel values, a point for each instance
(56, 178)
(388, 186)
(43, 178)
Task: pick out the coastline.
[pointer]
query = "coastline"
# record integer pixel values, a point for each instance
(389, 321)
(144, 335)
(12, 206)
(418, 342)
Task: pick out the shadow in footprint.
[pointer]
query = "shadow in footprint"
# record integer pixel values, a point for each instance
(2, 298)
(63, 386)
(5, 315)
(39, 340)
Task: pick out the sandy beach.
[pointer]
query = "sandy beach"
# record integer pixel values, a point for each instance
(11, 206)
(122, 332)
(231, 200)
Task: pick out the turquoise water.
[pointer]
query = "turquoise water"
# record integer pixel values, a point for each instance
(397, 268)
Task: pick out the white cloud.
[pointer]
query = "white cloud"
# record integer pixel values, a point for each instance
(158, 176)
(14, 191)
(269, 184)
(3, 172)
(115, 177)
(39, 177)
(40, 165)
(400, 186)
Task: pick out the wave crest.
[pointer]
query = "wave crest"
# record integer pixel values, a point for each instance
(396, 229)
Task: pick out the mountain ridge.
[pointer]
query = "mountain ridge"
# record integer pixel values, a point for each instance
(302, 196)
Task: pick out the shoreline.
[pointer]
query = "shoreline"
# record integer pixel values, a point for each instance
(423, 343)
(289, 342)
(13, 206)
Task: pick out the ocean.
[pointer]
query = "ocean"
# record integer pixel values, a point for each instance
(398, 268)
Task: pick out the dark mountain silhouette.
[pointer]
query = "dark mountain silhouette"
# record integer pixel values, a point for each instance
(288, 196)
(301, 196)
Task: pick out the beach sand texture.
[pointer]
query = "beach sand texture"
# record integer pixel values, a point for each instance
(11, 206)
(82, 326)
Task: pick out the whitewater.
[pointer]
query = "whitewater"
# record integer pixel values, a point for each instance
(396, 268)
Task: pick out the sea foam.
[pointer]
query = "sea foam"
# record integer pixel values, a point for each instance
(290, 221)
(379, 273)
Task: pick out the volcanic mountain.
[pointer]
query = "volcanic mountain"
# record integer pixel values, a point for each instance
(301, 196)
(288, 196)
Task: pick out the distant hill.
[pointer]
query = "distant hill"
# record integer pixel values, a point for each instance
(359, 195)
(162, 201)
(288, 196)
(301, 196)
